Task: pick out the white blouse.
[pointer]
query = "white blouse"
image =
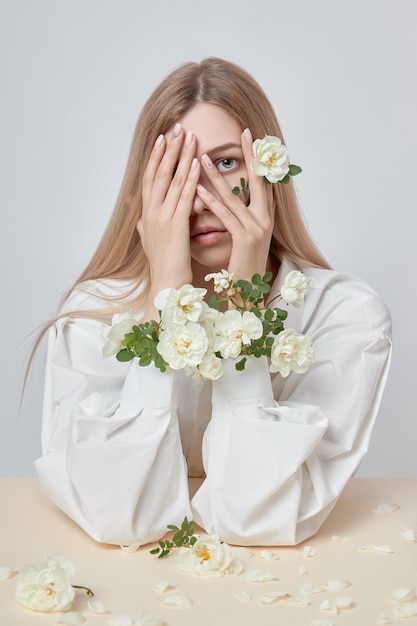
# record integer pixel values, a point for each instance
(119, 440)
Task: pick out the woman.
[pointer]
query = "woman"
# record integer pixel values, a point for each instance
(119, 441)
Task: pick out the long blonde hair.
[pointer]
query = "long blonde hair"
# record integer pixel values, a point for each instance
(120, 254)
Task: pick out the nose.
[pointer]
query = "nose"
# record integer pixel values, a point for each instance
(198, 206)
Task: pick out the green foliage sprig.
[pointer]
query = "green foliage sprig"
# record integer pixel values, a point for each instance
(183, 537)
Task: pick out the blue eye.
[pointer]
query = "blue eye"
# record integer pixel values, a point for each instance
(225, 165)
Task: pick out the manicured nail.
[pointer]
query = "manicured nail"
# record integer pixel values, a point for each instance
(159, 141)
(177, 130)
(194, 164)
(248, 135)
(201, 190)
(207, 161)
(189, 138)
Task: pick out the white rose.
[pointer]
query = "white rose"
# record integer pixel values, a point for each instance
(295, 286)
(234, 329)
(222, 280)
(208, 557)
(211, 367)
(122, 323)
(271, 159)
(46, 587)
(291, 351)
(183, 346)
(181, 305)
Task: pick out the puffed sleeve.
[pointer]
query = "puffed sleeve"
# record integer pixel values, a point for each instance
(111, 449)
(278, 452)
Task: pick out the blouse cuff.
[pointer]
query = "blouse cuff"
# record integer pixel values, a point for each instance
(148, 385)
(252, 382)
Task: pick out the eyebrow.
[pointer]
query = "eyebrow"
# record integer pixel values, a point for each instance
(226, 146)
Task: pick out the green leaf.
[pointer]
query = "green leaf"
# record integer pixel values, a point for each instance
(124, 355)
(294, 170)
(240, 365)
(285, 180)
(154, 551)
(267, 277)
(236, 191)
(256, 279)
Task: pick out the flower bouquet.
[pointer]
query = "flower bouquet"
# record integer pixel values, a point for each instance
(195, 336)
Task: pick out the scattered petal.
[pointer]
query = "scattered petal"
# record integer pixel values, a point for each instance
(179, 601)
(383, 620)
(73, 618)
(406, 609)
(337, 583)
(163, 586)
(303, 570)
(403, 595)
(146, 619)
(259, 576)
(96, 607)
(268, 554)
(322, 622)
(309, 552)
(372, 548)
(410, 535)
(120, 619)
(298, 601)
(334, 605)
(386, 507)
(7, 572)
(235, 567)
(309, 588)
(241, 553)
(339, 538)
(132, 548)
(269, 597)
(243, 596)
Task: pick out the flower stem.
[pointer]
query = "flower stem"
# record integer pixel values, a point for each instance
(88, 591)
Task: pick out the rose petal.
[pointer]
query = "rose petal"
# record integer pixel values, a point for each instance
(259, 576)
(120, 619)
(344, 602)
(298, 601)
(268, 554)
(410, 535)
(336, 604)
(309, 588)
(386, 507)
(309, 552)
(163, 586)
(132, 548)
(337, 583)
(73, 618)
(406, 609)
(383, 620)
(303, 570)
(372, 548)
(403, 595)
(241, 553)
(179, 601)
(269, 597)
(243, 596)
(6, 572)
(146, 619)
(322, 622)
(329, 605)
(339, 538)
(96, 607)
(235, 567)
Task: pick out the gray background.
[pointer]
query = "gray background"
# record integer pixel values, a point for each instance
(74, 75)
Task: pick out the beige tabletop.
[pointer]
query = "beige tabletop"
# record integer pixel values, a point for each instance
(32, 527)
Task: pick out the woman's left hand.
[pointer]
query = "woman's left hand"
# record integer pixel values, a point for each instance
(249, 225)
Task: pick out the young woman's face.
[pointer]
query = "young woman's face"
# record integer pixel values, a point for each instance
(219, 136)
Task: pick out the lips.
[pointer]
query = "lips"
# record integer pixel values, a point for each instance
(207, 234)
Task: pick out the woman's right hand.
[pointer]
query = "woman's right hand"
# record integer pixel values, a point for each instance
(169, 187)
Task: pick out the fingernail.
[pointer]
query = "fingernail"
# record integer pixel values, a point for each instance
(248, 135)
(201, 190)
(177, 130)
(194, 164)
(189, 138)
(159, 140)
(207, 161)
